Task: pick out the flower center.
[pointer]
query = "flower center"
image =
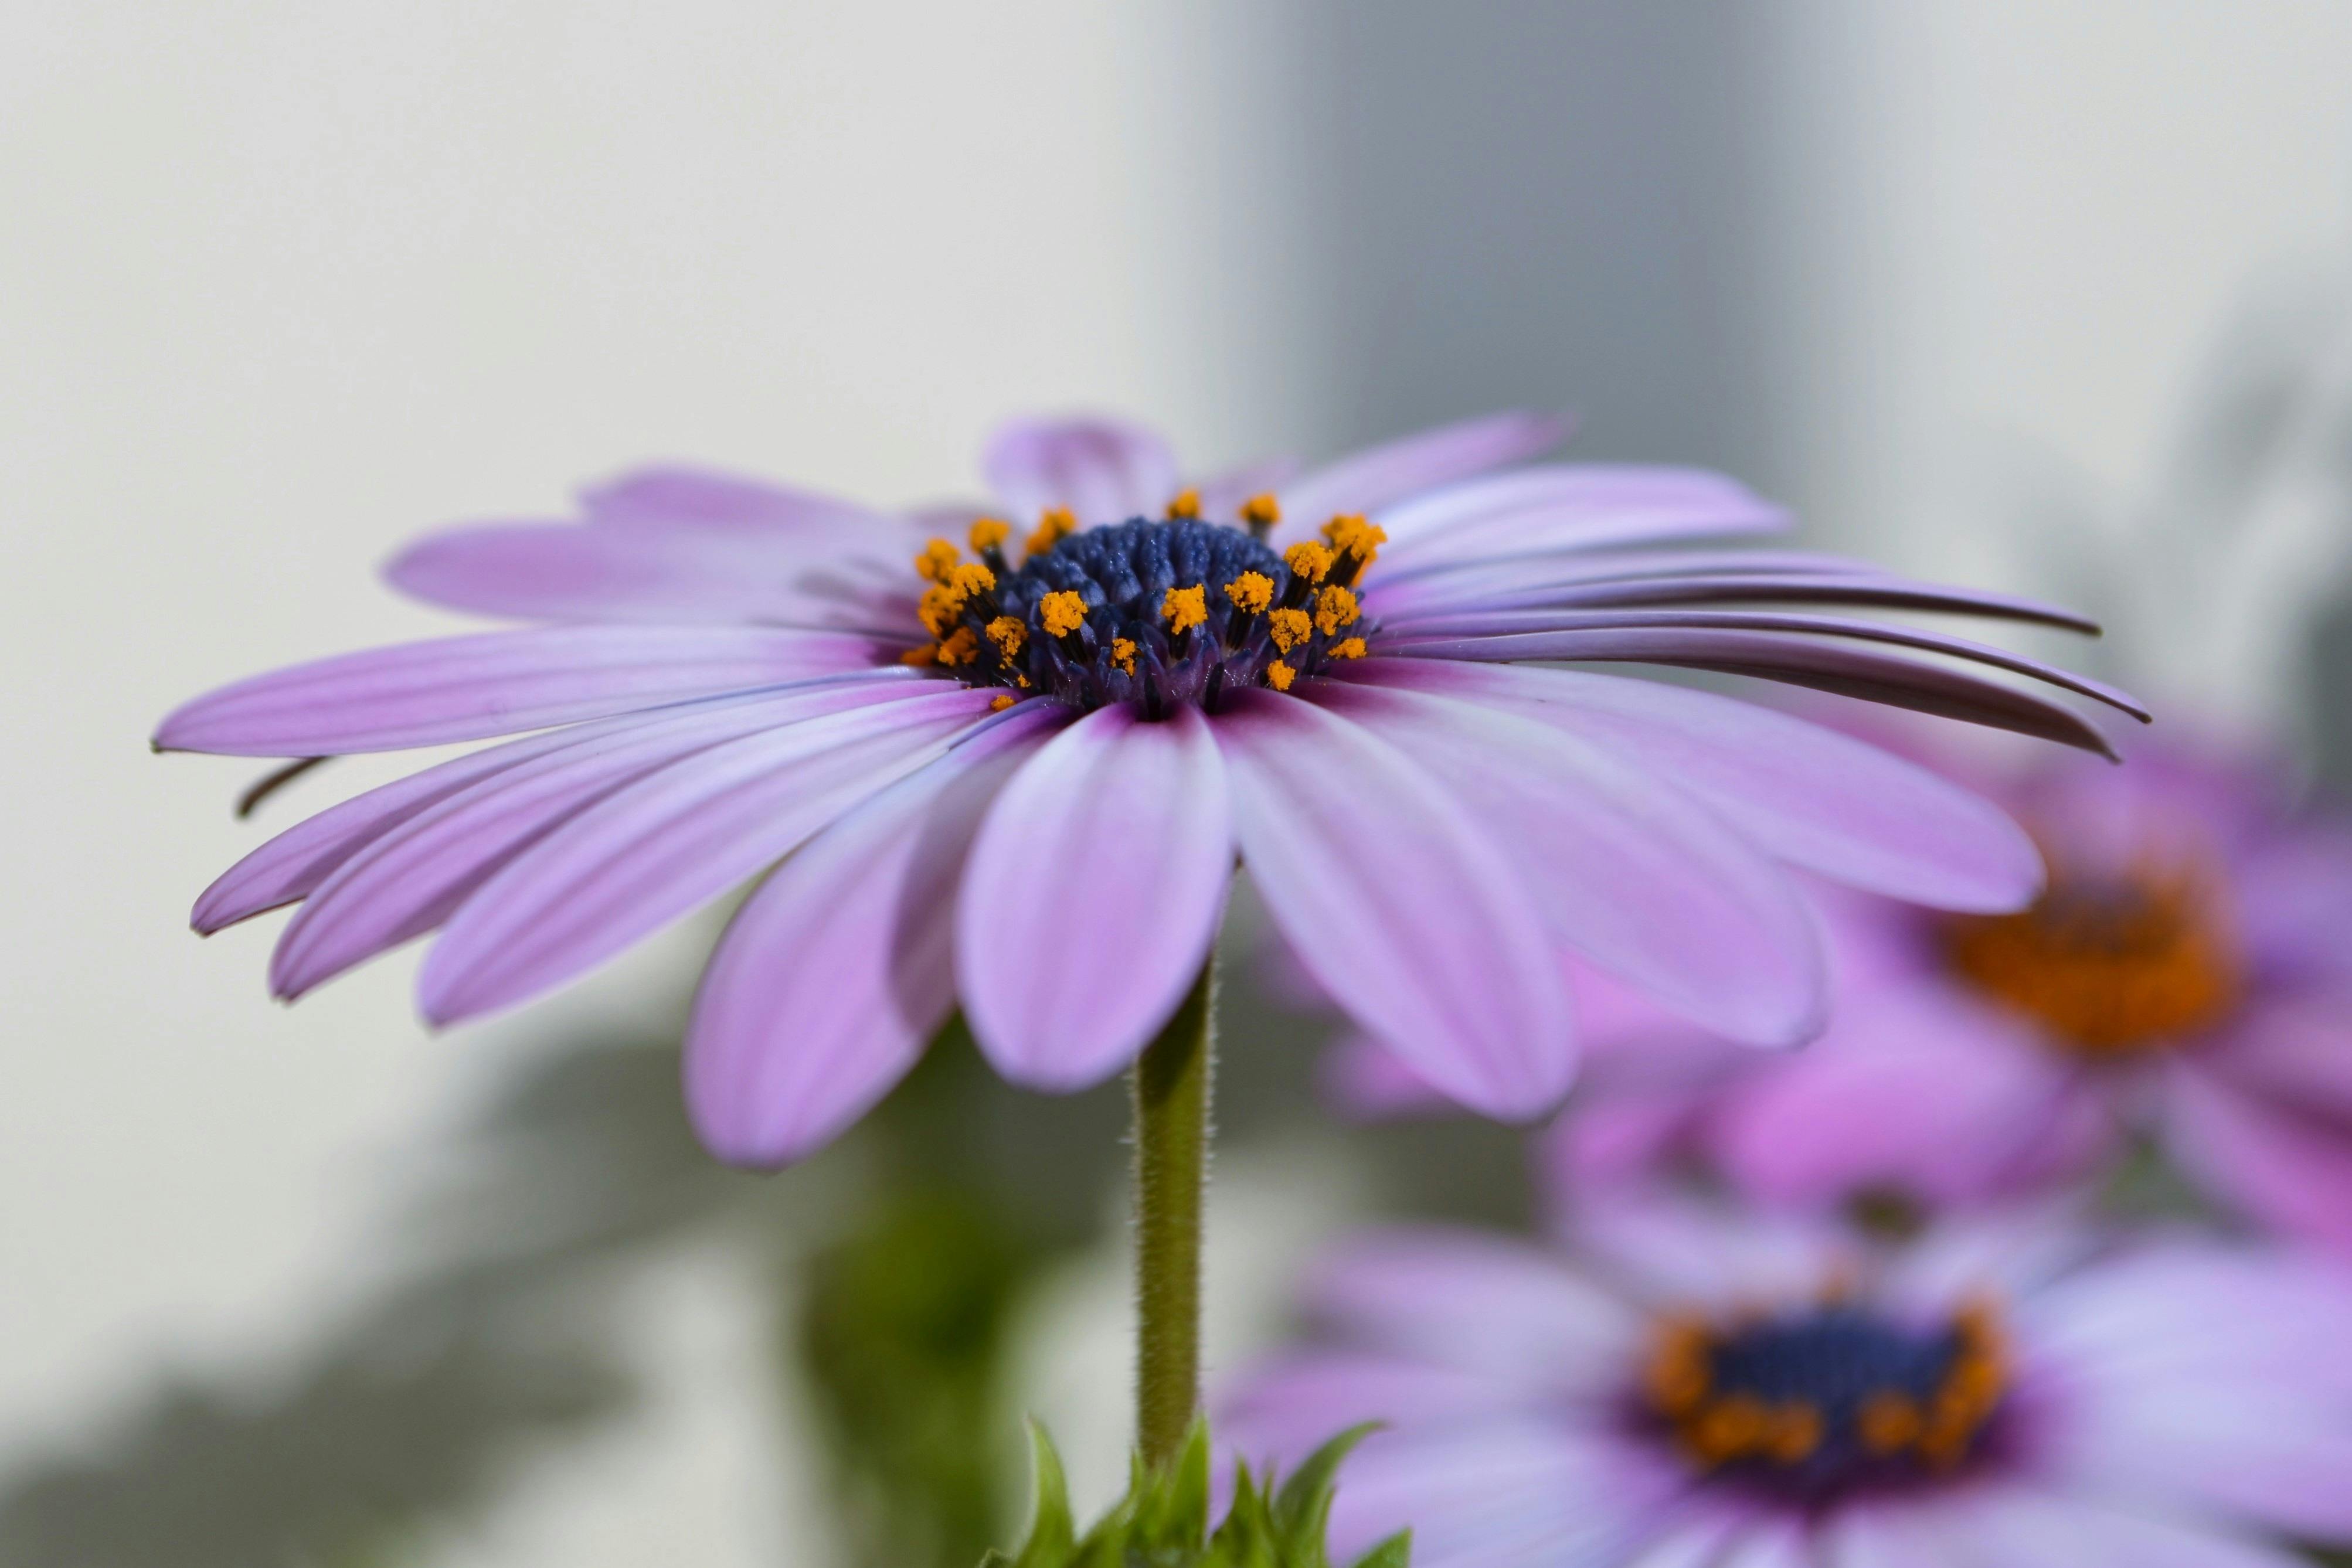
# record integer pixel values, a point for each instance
(2111, 965)
(1156, 613)
(1818, 1403)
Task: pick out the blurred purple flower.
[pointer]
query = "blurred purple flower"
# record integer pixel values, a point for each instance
(1023, 786)
(2185, 976)
(1693, 1386)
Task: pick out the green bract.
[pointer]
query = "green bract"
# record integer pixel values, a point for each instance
(1163, 1520)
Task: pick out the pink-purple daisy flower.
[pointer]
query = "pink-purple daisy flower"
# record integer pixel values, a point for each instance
(1013, 770)
(1694, 1387)
(2184, 980)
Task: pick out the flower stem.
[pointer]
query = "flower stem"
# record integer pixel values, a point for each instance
(1171, 1163)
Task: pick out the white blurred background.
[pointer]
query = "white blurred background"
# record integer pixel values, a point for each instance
(282, 284)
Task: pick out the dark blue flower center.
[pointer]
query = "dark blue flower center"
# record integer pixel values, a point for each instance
(1154, 613)
(1816, 1403)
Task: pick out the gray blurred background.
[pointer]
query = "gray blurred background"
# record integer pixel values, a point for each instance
(2048, 295)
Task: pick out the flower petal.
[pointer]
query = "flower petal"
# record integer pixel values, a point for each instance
(836, 973)
(498, 682)
(1632, 874)
(409, 880)
(1375, 477)
(1093, 896)
(1853, 672)
(563, 572)
(1398, 905)
(666, 497)
(1516, 635)
(1104, 470)
(2272, 1160)
(659, 849)
(1803, 793)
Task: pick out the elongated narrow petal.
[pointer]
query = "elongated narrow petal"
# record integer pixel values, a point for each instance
(411, 878)
(1803, 793)
(1104, 470)
(703, 500)
(1513, 634)
(1093, 896)
(1635, 877)
(838, 971)
(1404, 910)
(1367, 480)
(1537, 604)
(661, 848)
(1855, 672)
(564, 571)
(498, 683)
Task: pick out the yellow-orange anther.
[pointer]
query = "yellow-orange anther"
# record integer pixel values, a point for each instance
(1335, 607)
(1000, 702)
(1308, 559)
(972, 578)
(1346, 648)
(938, 559)
(1056, 524)
(1279, 675)
(1250, 591)
(1122, 653)
(1185, 608)
(1681, 1371)
(1008, 633)
(1729, 1427)
(1061, 613)
(1794, 1433)
(1888, 1422)
(1350, 535)
(1184, 506)
(939, 609)
(960, 647)
(1261, 512)
(929, 653)
(1291, 628)
(990, 533)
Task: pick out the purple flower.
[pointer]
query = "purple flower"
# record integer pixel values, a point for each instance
(1020, 779)
(1701, 1387)
(2184, 979)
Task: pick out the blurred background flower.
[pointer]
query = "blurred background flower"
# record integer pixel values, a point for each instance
(2050, 300)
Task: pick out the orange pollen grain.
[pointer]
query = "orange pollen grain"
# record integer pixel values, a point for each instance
(1061, 613)
(1184, 506)
(1261, 511)
(1308, 559)
(929, 653)
(1335, 607)
(1185, 608)
(937, 559)
(1008, 633)
(2108, 971)
(990, 533)
(1250, 591)
(1279, 675)
(961, 647)
(1055, 525)
(1289, 628)
(1000, 702)
(1348, 648)
(1122, 653)
(972, 578)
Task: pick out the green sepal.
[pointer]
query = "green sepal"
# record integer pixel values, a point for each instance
(1163, 1519)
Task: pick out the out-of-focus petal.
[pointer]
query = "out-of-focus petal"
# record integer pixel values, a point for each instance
(837, 971)
(1093, 896)
(1104, 470)
(2276, 1162)
(1481, 1304)
(1803, 793)
(641, 858)
(702, 499)
(563, 572)
(1373, 479)
(1398, 903)
(1632, 874)
(499, 683)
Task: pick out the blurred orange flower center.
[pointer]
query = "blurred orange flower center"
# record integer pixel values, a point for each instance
(2110, 966)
